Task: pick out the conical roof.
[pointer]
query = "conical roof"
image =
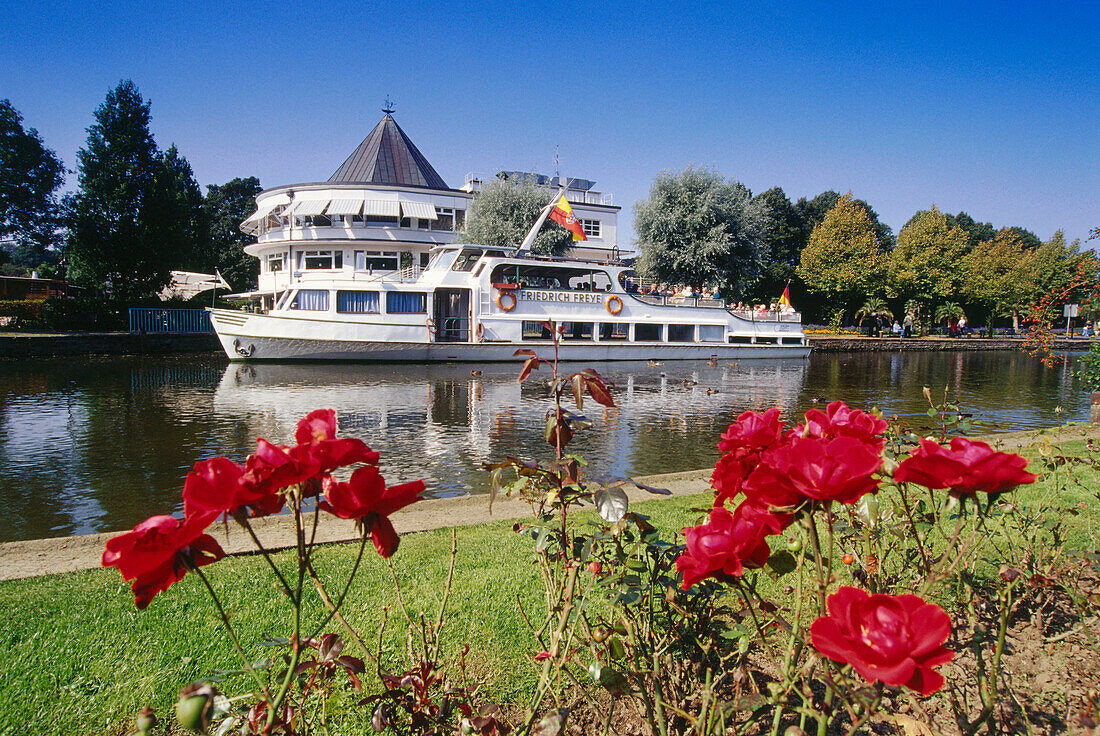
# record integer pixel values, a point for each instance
(387, 156)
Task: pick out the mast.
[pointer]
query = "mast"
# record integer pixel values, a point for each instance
(534, 231)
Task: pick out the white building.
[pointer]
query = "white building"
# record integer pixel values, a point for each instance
(383, 210)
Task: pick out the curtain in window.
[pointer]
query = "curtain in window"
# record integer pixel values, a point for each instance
(406, 302)
(314, 300)
(357, 301)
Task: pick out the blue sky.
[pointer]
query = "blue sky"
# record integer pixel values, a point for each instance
(990, 108)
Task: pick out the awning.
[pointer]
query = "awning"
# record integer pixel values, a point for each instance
(263, 211)
(345, 206)
(381, 207)
(419, 210)
(309, 207)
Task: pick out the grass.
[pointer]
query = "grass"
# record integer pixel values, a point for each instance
(79, 659)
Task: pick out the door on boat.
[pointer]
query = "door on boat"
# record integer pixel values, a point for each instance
(452, 315)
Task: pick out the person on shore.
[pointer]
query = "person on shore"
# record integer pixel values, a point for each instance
(908, 326)
(962, 326)
(897, 328)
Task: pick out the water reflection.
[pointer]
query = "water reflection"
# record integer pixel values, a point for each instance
(89, 445)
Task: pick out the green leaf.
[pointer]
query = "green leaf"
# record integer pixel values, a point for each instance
(782, 563)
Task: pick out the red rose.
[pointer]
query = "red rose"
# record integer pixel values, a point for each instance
(316, 438)
(365, 496)
(269, 470)
(742, 444)
(159, 551)
(728, 543)
(840, 469)
(967, 467)
(839, 421)
(211, 487)
(897, 639)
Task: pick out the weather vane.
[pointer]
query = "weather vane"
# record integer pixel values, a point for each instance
(388, 109)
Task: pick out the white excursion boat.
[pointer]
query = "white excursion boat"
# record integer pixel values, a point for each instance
(476, 303)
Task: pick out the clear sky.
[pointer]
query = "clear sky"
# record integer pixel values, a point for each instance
(991, 108)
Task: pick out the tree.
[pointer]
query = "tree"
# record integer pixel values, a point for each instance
(996, 277)
(174, 216)
(813, 212)
(699, 229)
(783, 243)
(110, 240)
(504, 211)
(226, 207)
(926, 265)
(30, 175)
(844, 259)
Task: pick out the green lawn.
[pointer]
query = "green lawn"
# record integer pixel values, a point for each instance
(78, 658)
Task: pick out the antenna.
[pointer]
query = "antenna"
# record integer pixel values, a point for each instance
(388, 105)
(556, 172)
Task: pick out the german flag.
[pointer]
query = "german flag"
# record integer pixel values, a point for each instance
(785, 298)
(563, 215)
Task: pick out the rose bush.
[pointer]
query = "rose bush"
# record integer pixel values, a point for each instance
(965, 468)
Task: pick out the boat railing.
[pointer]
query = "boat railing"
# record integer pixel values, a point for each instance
(680, 301)
(452, 329)
(766, 315)
(409, 273)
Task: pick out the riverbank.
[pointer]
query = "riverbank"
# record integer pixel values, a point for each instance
(15, 346)
(859, 344)
(57, 555)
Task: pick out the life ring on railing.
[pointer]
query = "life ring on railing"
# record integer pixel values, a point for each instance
(511, 300)
(431, 325)
(479, 333)
(613, 310)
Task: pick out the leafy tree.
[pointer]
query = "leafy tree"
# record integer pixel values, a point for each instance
(813, 213)
(996, 276)
(111, 241)
(30, 175)
(844, 259)
(697, 228)
(503, 212)
(226, 207)
(783, 242)
(927, 263)
(174, 215)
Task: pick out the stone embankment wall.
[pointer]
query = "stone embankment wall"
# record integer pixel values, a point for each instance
(15, 346)
(853, 344)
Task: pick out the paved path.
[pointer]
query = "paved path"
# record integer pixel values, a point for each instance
(67, 554)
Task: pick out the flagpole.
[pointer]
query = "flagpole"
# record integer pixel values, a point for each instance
(534, 231)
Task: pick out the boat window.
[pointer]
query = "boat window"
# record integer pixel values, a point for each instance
(466, 259)
(376, 260)
(535, 331)
(275, 262)
(556, 278)
(494, 253)
(357, 302)
(441, 261)
(406, 302)
(576, 330)
(313, 300)
(630, 282)
(711, 333)
(647, 333)
(681, 333)
(614, 331)
(312, 260)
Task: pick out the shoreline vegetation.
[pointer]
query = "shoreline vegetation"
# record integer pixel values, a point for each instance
(81, 660)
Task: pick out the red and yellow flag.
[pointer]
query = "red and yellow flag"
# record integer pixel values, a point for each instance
(785, 299)
(563, 215)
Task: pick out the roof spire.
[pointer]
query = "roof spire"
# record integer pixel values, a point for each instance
(387, 105)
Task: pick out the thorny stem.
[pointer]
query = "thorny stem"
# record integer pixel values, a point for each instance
(334, 608)
(295, 641)
(988, 687)
(925, 562)
(228, 627)
(446, 595)
(544, 677)
(243, 521)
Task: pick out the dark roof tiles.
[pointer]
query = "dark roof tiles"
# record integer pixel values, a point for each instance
(387, 156)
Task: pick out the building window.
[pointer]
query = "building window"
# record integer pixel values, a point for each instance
(591, 228)
(313, 300)
(406, 302)
(317, 221)
(614, 331)
(424, 258)
(460, 219)
(423, 224)
(357, 302)
(444, 219)
(314, 260)
(381, 220)
(406, 222)
(376, 260)
(647, 333)
(275, 262)
(681, 333)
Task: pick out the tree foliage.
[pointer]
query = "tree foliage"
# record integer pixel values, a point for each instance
(996, 275)
(783, 243)
(30, 175)
(844, 259)
(504, 211)
(226, 207)
(927, 263)
(174, 216)
(698, 228)
(813, 212)
(110, 242)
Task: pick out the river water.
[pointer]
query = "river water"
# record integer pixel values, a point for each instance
(100, 444)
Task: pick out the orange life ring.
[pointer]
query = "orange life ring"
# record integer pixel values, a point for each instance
(618, 305)
(511, 300)
(431, 325)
